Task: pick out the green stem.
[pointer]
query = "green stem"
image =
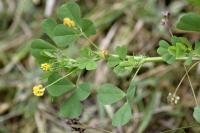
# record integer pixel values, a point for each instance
(93, 44)
(144, 59)
(88, 39)
(155, 59)
(160, 59)
(60, 78)
(136, 72)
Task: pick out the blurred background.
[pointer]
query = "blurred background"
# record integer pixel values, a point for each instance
(135, 23)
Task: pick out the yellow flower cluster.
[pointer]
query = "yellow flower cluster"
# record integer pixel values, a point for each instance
(45, 66)
(68, 22)
(38, 90)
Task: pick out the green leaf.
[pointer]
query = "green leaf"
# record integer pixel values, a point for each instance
(181, 40)
(177, 50)
(189, 22)
(197, 45)
(196, 113)
(135, 63)
(121, 70)
(48, 53)
(60, 87)
(70, 10)
(82, 62)
(122, 116)
(195, 2)
(88, 27)
(131, 91)
(86, 52)
(83, 91)
(71, 108)
(48, 26)
(180, 50)
(113, 61)
(39, 45)
(109, 94)
(163, 47)
(197, 48)
(121, 51)
(89, 64)
(46, 75)
(169, 58)
(62, 30)
(175, 39)
(64, 36)
(189, 60)
(167, 52)
(172, 50)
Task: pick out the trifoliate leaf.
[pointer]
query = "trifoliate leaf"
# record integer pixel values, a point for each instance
(109, 94)
(71, 108)
(83, 91)
(122, 116)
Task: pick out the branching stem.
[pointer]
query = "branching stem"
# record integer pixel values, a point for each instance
(185, 76)
(144, 59)
(195, 98)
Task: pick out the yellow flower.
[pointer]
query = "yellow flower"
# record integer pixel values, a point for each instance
(38, 90)
(68, 22)
(104, 54)
(45, 66)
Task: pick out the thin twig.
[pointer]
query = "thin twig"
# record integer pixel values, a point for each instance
(191, 85)
(137, 72)
(185, 76)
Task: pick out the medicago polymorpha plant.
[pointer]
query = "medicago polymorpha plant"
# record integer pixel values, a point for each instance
(59, 68)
